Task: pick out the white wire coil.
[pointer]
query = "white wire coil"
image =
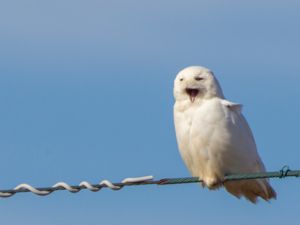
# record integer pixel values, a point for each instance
(83, 185)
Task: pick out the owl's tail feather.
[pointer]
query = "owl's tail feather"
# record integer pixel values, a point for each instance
(251, 189)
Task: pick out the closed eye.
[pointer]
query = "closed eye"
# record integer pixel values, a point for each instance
(181, 79)
(199, 78)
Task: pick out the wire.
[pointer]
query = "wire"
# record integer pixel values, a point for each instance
(147, 180)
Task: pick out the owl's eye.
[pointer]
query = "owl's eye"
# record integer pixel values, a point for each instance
(181, 79)
(199, 78)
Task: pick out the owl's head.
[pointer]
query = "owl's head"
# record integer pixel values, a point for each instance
(195, 83)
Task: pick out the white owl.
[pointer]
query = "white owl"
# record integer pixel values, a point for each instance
(213, 136)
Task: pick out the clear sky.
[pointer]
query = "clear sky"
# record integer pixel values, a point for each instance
(86, 94)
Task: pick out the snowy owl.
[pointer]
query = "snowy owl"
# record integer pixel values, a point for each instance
(213, 136)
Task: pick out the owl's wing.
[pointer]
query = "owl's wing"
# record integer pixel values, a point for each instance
(242, 139)
(246, 158)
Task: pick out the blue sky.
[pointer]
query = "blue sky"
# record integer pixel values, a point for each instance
(86, 94)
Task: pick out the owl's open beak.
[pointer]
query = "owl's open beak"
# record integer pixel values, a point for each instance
(192, 92)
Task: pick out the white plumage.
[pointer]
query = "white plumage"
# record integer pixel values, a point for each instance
(213, 136)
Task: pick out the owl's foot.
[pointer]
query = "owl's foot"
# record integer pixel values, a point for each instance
(212, 182)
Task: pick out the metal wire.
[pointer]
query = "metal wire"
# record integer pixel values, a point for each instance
(147, 180)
